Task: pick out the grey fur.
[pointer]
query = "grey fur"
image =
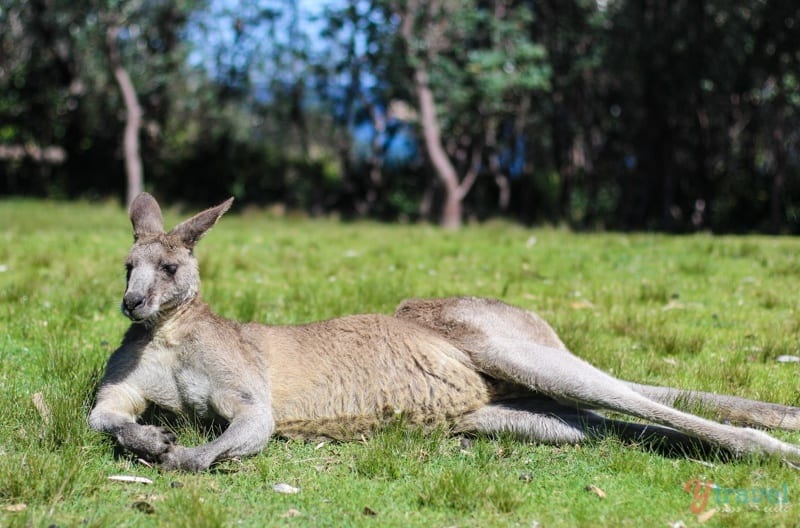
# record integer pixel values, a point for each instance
(475, 365)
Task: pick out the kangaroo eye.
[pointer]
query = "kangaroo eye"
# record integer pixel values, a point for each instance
(169, 269)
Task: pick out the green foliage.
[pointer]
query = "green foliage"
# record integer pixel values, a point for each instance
(465, 490)
(511, 63)
(661, 115)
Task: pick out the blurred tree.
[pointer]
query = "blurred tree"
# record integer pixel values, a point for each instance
(133, 114)
(58, 81)
(357, 79)
(573, 125)
(39, 83)
(474, 67)
(702, 91)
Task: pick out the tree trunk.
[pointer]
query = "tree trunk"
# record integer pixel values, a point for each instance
(778, 180)
(133, 118)
(445, 171)
(452, 210)
(495, 170)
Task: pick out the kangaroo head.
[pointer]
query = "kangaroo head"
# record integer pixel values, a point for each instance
(162, 269)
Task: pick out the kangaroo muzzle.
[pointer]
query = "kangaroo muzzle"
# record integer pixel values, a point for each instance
(133, 302)
(137, 303)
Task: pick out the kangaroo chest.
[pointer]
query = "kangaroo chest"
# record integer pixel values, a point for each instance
(177, 383)
(194, 389)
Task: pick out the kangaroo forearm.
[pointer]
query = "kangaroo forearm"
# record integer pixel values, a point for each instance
(147, 441)
(244, 436)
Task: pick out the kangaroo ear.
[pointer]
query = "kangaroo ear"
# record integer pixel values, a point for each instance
(146, 216)
(193, 229)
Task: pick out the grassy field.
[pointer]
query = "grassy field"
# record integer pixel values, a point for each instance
(698, 311)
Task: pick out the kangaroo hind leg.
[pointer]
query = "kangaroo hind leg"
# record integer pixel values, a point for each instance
(530, 422)
(555, 424)
(733, 409)
(510, 344)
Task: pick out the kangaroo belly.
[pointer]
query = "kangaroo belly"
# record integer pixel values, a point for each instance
(342, 378)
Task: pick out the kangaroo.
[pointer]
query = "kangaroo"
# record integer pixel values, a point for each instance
(471, 364)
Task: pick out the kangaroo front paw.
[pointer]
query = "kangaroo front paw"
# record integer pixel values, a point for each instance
(160, 441)
(147, 441)
(183, 459)
(162, 435)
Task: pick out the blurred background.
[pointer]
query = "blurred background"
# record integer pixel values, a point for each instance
(675, 115)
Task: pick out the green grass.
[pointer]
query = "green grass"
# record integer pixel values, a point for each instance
(697, 311)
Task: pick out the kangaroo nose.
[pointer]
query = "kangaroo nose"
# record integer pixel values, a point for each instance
(132, 301)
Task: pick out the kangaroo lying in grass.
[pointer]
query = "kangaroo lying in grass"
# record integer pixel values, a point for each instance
(476, 365)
